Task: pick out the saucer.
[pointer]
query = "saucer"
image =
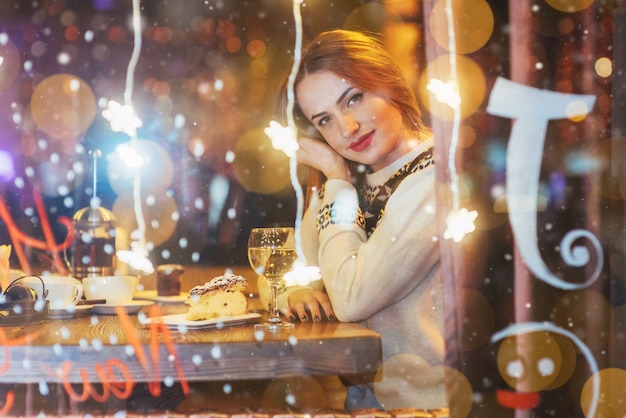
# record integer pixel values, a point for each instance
(131, 308)
(68, 312)
(179, 321)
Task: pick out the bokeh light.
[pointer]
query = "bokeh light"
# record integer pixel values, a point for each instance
(416, 373)
(470, 84)
(570, 6)
(7, 167)
(473, 25)
(460, 389)
(63, 106)
(299, 393)
(529, 362)
(577, 110)
(467, 136)
(10, 62)
(159, 211)
(612, 393)
(156, 169)
(256, 48)
(258, 166)
(72, 33)
(604, 67)
(233, 44)
(370, 16)
(569, 355)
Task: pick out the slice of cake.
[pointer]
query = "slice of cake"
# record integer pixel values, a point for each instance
(220, 297)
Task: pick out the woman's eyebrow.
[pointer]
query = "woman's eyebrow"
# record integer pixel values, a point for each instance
(317, 115)
(345, 92)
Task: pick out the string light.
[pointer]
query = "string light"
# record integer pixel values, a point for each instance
(129, 155)
(284, 139)
(445, 92)
(460, 221)
(123, 118)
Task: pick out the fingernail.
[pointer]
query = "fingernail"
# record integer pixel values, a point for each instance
(317, 318)
(332, 318)
(292, 318)
(304, 318)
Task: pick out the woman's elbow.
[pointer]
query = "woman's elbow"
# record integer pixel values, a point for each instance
(347, 312)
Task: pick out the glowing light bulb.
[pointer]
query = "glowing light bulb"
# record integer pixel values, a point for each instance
(136, 258)
(445, 92)
(122, 118)
(459, 223)
(301, 274)
(283, 138)
(130, 155)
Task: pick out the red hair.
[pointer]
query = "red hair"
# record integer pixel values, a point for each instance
(363, 62)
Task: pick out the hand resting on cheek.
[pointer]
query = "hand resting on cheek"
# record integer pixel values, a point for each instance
(321, 156)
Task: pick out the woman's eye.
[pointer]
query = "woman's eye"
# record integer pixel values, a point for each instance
(354, 99)
(323, 121)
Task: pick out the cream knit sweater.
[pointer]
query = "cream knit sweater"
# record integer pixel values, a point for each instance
(391, 281)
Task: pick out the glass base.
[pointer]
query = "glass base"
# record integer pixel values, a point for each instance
(274, 326)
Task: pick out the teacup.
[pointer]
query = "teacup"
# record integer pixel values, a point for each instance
(116, 290)
(63, 291)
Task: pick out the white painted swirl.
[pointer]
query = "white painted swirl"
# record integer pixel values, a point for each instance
(532, 109)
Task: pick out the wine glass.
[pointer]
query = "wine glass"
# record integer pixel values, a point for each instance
(271, 252)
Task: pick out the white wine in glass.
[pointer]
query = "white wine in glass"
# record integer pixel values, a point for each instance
(271, 253)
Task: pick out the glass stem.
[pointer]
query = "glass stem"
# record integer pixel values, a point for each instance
(274, 317)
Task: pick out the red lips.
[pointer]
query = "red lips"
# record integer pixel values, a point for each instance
(362, 143)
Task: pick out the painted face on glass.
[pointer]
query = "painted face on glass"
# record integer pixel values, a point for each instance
(361, 126)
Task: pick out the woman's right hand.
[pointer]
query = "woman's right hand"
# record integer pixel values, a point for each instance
(309, 305)
(323, 157)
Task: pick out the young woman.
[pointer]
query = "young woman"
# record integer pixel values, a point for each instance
(371, 225)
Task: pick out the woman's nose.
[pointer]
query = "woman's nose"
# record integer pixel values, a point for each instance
(348, 125)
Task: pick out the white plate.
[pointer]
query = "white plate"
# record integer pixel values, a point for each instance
(180, 322)
(130, 308)
(152, 295)
(68, 312)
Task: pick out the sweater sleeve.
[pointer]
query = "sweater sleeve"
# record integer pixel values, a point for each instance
(308, 233)
(364, 275)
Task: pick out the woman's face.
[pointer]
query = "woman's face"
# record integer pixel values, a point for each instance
(361, 126)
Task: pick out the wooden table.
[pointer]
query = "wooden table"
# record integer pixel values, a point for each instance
(101, 348)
